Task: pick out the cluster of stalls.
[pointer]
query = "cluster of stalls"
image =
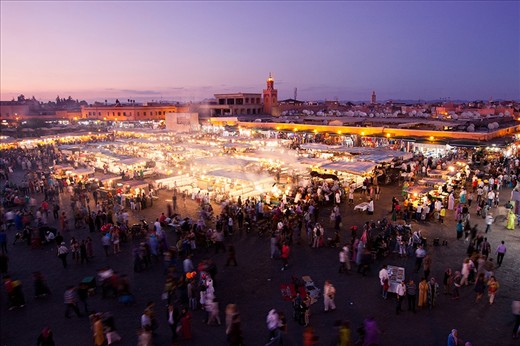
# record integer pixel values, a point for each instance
(436, 186)
(352, 165)
(227, 167)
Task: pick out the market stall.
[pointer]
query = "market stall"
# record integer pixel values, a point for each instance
(353, 172)
(178, 181)
(226, 183)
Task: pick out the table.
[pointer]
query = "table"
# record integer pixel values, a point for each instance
(361, 206)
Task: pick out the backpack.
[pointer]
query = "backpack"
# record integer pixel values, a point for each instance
(318, 232)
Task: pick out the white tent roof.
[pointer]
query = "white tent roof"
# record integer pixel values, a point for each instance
(236, 175)
(221, 161)
(82, 171)
(319, 146)
(133, 161)
(354, 167)
(237, 145)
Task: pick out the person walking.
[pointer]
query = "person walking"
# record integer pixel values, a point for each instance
(492, 289)
(411, 293)
(213, 312)
(453, 339)
(433, 292)
(285, 255)
(329, 293)
(400, 293)
(420, 253)
(515, 307)
(427, 264)
(456, 285)
(71, 301)
(485, 248)
(83, 296)
(447, 281)
(106, 242)
(342, 261)
(233, 330)
(83, 251)
(383, 279)
(46, 338)
(501, 251)
(423, 293)
(97, 330)
(3, 241)
(63, 253)
(231, 256)
(273, 323)
(480, 287)
(489, 222)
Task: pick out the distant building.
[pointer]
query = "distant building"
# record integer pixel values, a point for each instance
(270, 97)
(182, 122)
(235, 104)
(130, 112)
(11, 110)
(373, 98)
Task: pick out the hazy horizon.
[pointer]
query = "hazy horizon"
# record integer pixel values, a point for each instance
(188, 51)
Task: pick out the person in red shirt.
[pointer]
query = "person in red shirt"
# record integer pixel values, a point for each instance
(45, 207)
(285, 255)
(162, 218)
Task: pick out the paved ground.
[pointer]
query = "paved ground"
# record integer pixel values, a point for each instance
(254, 286)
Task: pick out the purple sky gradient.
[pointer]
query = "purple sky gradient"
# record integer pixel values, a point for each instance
(190, 50)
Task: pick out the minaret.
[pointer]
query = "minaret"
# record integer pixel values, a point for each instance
(373, 98)
(270, 96)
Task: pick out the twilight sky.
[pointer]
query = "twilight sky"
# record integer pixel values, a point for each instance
(190, 50)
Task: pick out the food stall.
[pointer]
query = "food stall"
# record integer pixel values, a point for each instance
(417, 195)
(351, 173)
(222, 184)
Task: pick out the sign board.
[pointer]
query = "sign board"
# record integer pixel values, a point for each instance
(395, 277)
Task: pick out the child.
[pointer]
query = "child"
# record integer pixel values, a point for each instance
(442, 214)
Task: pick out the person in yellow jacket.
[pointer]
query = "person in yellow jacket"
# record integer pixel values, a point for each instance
(97, 330)
(423, 293)
(442, 215)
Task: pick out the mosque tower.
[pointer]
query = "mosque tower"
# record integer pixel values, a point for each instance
(270, 96)
(373, 98)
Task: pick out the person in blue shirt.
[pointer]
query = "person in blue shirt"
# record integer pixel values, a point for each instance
(453, 339)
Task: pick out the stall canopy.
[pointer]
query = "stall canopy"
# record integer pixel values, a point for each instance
(354, 167)
(133, 161)
(235, 175)
(381, 156)
(315, 174)
(82, 171)
(63, 168)
(221, 162)
(319, 147)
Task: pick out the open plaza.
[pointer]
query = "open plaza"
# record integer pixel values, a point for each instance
(252, 219)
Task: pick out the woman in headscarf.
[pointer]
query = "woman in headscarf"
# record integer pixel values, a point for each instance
(511, 220)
